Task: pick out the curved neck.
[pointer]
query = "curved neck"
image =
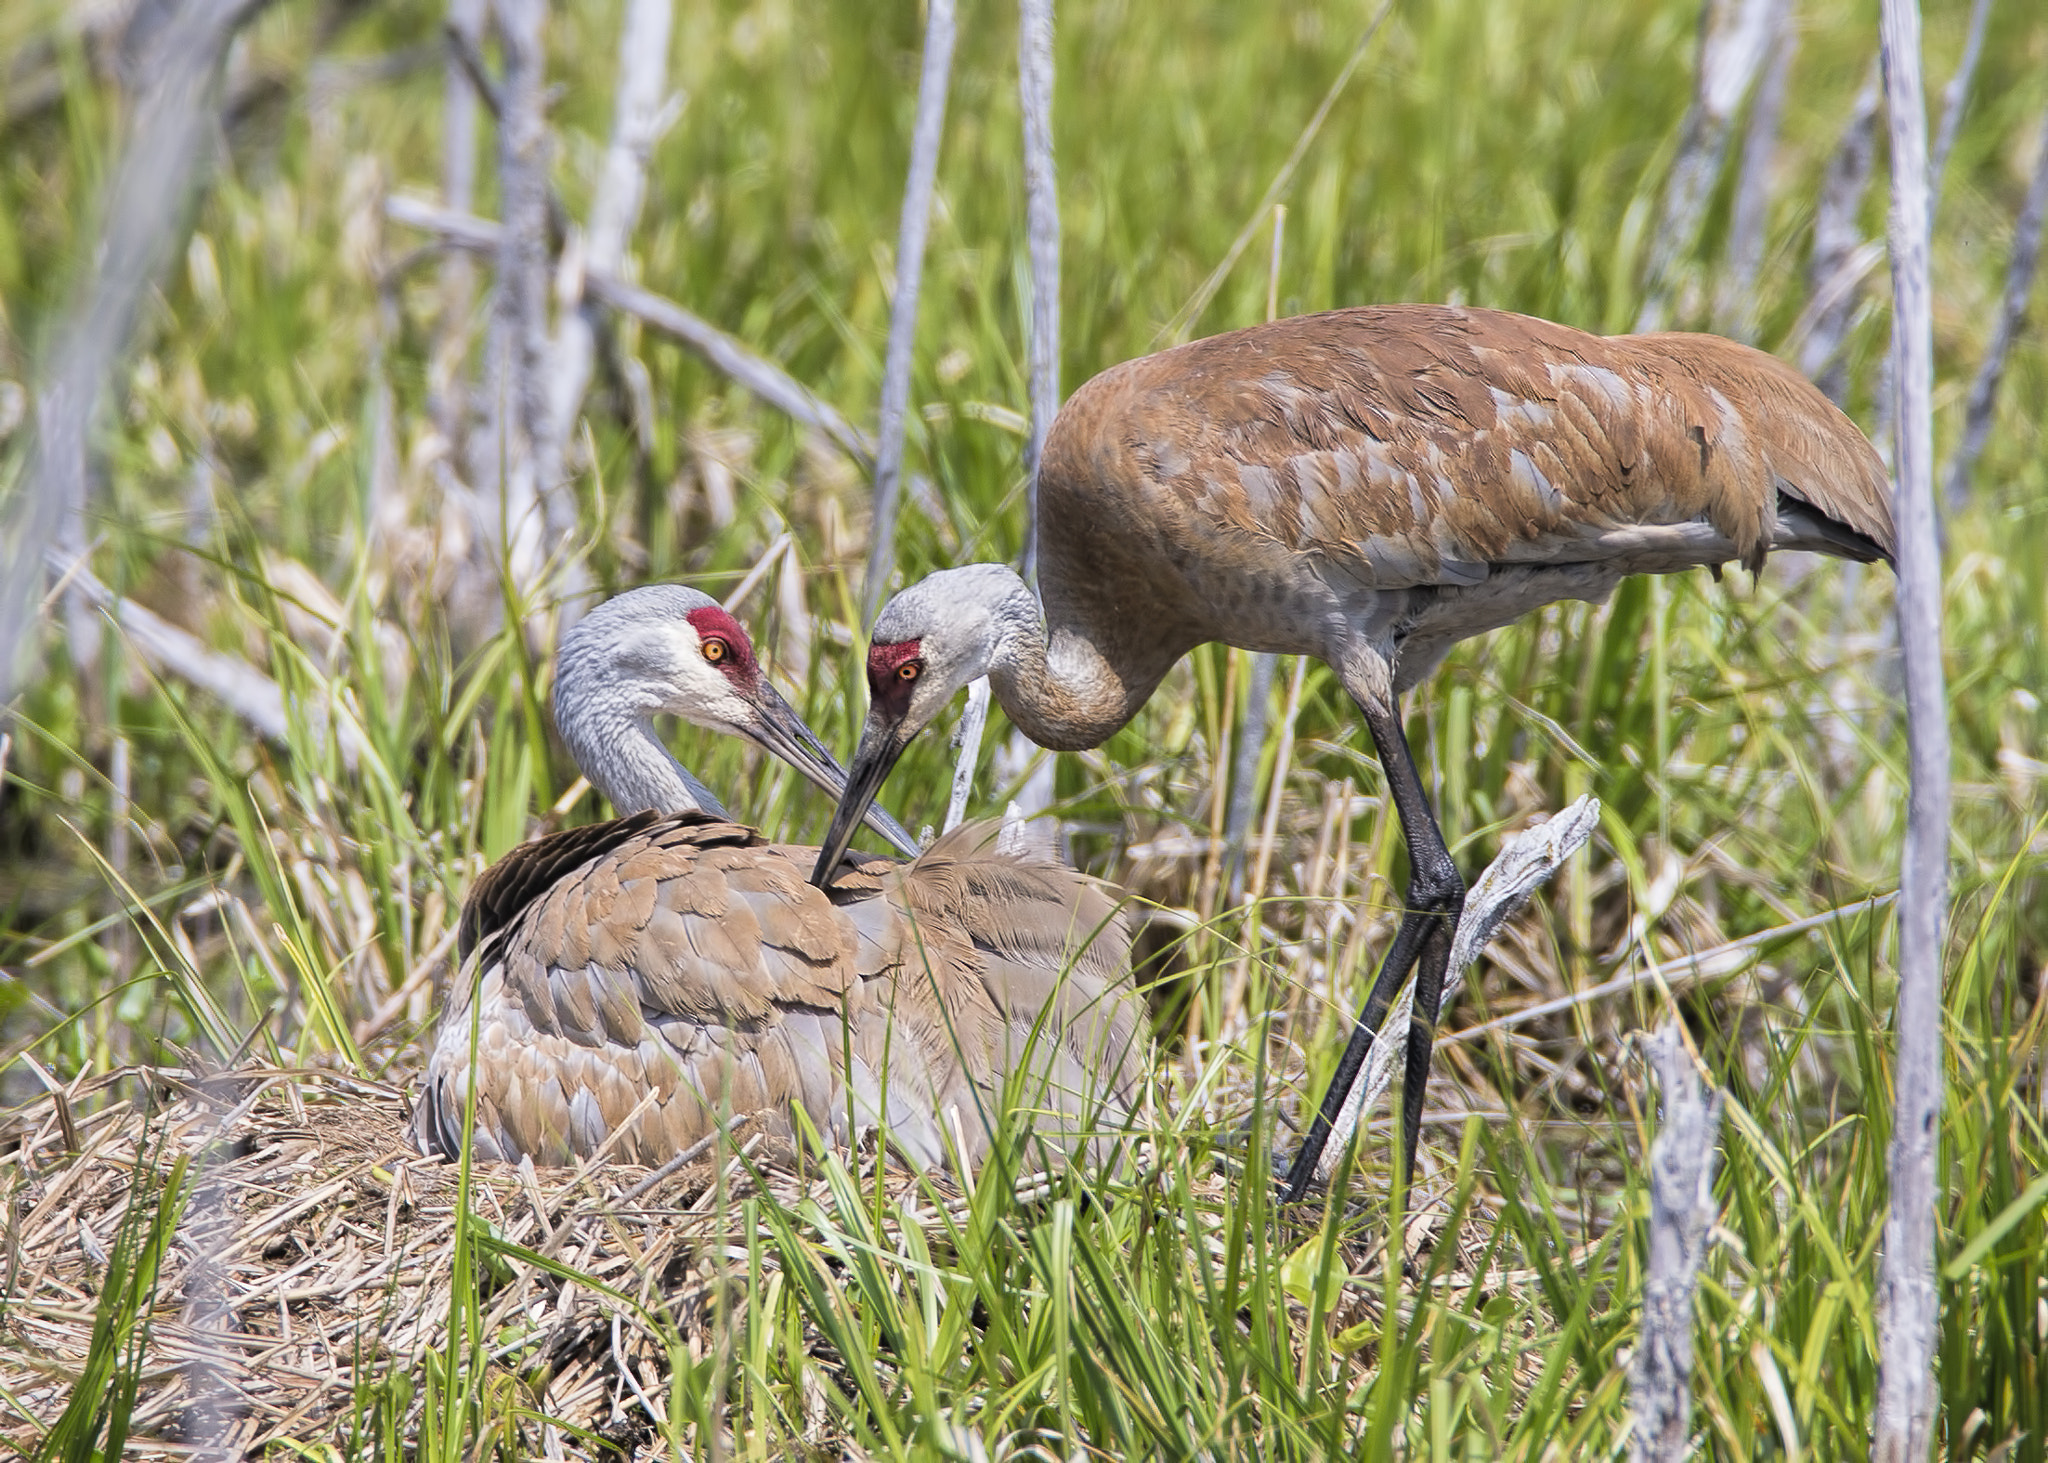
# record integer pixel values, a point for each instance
(1069, 694)
(617, 749)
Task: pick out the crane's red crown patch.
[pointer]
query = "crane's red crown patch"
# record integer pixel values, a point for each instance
(883, 661)
(712, 622)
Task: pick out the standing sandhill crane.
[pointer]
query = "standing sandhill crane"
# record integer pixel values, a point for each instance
(1368, 486)
(670, 970)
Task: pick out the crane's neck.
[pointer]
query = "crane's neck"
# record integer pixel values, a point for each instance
(615, 745)
(1067, 693)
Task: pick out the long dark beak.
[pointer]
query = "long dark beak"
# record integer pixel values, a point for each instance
(880, 747)
(789, 737)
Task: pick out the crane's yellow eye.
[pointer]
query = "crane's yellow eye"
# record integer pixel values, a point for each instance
(716, 651)
(910, 670)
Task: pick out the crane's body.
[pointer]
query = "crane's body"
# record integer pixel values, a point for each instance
(1410, 476)
(639, 984)
(1368, 486)
(672, 974)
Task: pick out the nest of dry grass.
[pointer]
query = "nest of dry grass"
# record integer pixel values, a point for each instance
(311, 1258)
(304, 1267)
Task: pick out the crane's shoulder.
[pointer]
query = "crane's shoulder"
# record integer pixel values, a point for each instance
(508, 886)
(680, 916)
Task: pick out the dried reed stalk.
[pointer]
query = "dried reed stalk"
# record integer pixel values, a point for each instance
(168, 148)
(1681, 1213)
(1042, 226)
(1907, 1298)
(910, 241)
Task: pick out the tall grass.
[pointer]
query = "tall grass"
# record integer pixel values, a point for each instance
(1741, 736)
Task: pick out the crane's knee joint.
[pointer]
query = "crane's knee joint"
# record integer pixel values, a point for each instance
(1438, 889)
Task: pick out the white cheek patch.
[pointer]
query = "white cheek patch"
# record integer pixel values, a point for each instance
(647, 652)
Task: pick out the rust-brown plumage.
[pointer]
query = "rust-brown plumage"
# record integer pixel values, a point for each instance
(637, 984)
(1368, 486)
(1438, 471)
(682, 974)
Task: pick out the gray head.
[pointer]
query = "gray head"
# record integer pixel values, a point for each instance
(939, 634)
(669, 649)
(930, 641)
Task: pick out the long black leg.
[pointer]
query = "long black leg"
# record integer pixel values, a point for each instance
(1436, 897)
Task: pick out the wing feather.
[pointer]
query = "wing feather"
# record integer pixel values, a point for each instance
(690, 959)
(1416, 445)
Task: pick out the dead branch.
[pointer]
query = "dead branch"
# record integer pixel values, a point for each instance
(1840, 258)
(1907, 1298)
(168, 147)
(2012, 314)
(1042, 223)
(967, 751)
(1733, 37)
(237, 685)
(1735, 312)
(1244, 774)
(722, 352)
(638, 117)
(539, 509)
(910, 241)
(1954, 98)
(1723, 960)
(460, 92)
(1681, 1213)
(1525, 861)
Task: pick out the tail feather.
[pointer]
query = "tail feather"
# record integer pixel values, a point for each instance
(1818, 458)
(1802, 526)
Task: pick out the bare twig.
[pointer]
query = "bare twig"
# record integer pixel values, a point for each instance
(470, 419)
(1840, 259)
(465, 48)
(1907, 1298)
(2012, 314)
(1955, 97)
(458, 191)
(539, 509)
(1681, 1213)
(167, 150)
(638, 117)
(727, 355)
(1244, 774)
(1251, 741)
(1283, 758)
(1736, 309)
(215, 1412)
(237, 685)
(1721, 960)
(722, 352)
(1733, 37)
(1525, 861)
(967, 744)
(1042, 215)
(910, 240)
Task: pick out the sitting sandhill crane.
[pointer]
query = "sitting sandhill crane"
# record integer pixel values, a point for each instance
(1368, 486)
(671, 971)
